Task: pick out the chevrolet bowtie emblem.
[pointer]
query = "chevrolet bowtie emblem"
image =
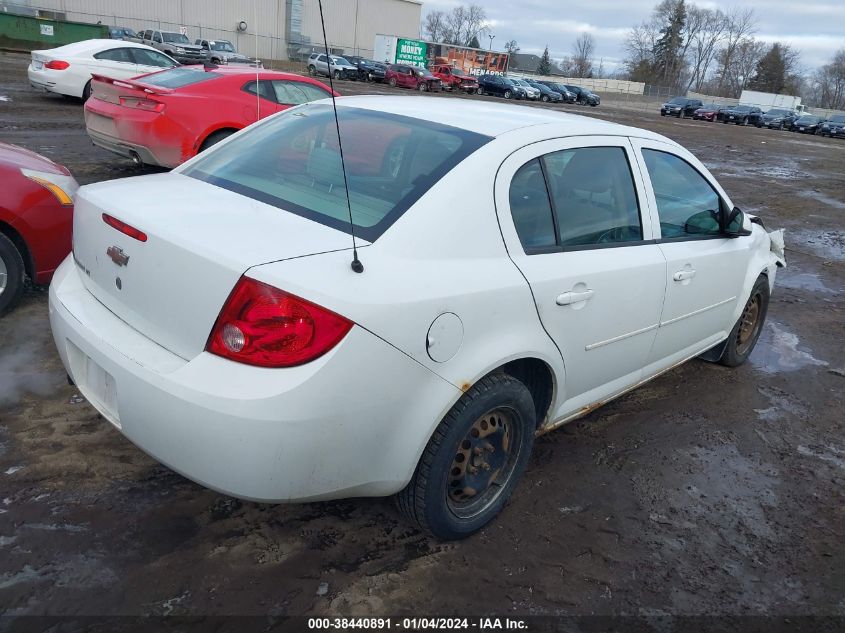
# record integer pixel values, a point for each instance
(117, 255)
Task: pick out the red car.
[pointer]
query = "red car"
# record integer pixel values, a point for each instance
(454, 78)
(165, 118)
(411, 77)
(707, 112)
(36, 219)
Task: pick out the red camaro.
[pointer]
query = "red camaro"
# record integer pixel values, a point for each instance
(36, 218)
(167, 117)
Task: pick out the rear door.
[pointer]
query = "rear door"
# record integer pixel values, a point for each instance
(117, 63)
(569, 210)
(705, 269)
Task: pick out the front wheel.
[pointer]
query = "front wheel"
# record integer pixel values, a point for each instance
(422, 87)
(682, 114)
(473, 461)
(743, 337)
(336, 74)
(507, 94)
(479, 91)
(544, 98)
(11, 274)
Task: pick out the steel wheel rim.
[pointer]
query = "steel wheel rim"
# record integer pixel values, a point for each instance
(749, 323)
(4, 276)
(484, 463)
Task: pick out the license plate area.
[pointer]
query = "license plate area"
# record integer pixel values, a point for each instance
(101, 124)
(94, 383)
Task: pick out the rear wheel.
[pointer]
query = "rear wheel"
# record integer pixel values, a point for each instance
(745, 333)
(473, 461)
(11, 274)
(86, 91)
(312, 70)
(392, 82)
(216, 137)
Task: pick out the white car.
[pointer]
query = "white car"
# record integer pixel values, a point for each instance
(227, 334)
(67, 70)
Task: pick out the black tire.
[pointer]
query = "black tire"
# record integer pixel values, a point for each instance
(682, 114)
(392, 82)
(312, 71)
(745, 121)
(544, 98)
(86, 92)
(336, 75)
(433, 499)
(479, 91)
(725, 121)
(744, 335)
(11, 286)
(422, 87)
(215, 137)
(507, 94)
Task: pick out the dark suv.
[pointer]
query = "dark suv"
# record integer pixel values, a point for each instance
(584, 96)
(780, 118)
(680, 107)
(368, 69)
(499, 86)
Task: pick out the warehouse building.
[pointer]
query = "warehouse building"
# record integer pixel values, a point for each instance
(269, 29)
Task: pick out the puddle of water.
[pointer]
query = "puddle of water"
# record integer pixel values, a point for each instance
(780, 171)
(777, 351)
(802, 281)
(824, 199)
(827, 244)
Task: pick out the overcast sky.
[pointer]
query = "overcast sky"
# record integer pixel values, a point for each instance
(815, 27)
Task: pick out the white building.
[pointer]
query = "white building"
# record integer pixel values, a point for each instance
(274, 29)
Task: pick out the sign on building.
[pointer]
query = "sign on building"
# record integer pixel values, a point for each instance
(47, 29)
(412, 52)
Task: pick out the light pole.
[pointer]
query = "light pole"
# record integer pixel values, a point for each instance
(491, 40)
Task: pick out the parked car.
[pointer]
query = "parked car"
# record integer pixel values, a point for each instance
(36, 215)
(123, 33)
(780, 118)
(227, 335)
(584, 96)
(707, 112)
(742, 115)
(319, 64)
(224, 52)
(546, 93)
(567, 95)
(368, 69)
(834, 126)
(176, 45)
(499, 86)
(454, 78)
(163, 118)
(414, 77)
(531, 92)
(680, 107)
(67, 70)
(807, 124)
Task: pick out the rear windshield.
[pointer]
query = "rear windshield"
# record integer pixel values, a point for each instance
(678, 101)
(292, 162)
(778, 112)
(179, 77)
(837, 118)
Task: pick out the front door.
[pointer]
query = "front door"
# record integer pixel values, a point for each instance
(570, 215)
(705, 269)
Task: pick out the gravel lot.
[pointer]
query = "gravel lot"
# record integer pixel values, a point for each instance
(707, 491)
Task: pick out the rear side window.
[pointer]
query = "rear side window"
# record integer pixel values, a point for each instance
(265, 90)
(531, 209)
(297, 92)
(116, 55)
(152, 58)
(179, 77)
(292, 161)
(686, 203)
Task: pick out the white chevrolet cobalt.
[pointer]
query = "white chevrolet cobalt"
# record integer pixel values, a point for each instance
(520, 267)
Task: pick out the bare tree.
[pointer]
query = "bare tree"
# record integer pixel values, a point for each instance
(582, 55)
(639, 50)
(740, 26)
(828, 83)
(512, 47)
(464, 23)
(434, 26)
(705, 31)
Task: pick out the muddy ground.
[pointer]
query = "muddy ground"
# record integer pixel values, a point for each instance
(707, 491)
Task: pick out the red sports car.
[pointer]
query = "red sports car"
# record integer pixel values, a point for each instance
(165, 118)
(36, 219)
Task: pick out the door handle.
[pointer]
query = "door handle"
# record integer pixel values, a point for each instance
(681, 275)
(568, 298)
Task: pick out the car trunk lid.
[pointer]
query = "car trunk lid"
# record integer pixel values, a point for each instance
(199, 240)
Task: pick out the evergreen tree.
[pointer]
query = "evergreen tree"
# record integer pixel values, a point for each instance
(545, 65)
(474, 43)
(771, 72)
(667, 49)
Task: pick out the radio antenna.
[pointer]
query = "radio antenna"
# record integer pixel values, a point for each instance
(357, 266)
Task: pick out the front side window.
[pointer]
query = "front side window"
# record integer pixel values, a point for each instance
(292, 162)
(687, 204)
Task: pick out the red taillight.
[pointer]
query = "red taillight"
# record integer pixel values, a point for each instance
(142, 104)
(264, 326)
(124, 228)
(57, 64)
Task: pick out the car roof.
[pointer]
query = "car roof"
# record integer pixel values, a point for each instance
(91, 45)
(491, 118)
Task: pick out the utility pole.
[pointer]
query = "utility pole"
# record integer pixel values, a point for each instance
(491, 40)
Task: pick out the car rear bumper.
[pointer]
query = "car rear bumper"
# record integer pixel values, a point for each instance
(351, 423)
(125, 148)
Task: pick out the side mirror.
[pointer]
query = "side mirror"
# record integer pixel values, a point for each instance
(730, 222)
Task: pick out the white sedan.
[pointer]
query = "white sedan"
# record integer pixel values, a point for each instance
(227, 335)
(67, 70)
